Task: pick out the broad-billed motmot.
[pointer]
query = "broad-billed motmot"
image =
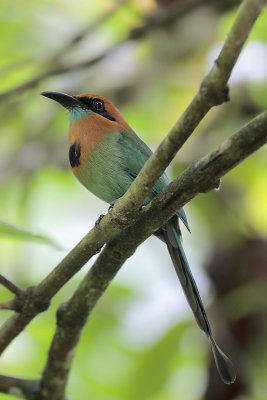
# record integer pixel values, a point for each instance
(106, 155)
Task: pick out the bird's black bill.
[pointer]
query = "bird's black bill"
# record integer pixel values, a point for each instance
(65, 100)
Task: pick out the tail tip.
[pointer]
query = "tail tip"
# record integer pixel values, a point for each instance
(224, 365)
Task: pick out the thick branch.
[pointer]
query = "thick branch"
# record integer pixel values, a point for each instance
(201, 176)
(36, 299)
(212, 92)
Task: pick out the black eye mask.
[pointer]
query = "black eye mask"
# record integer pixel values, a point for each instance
(97, 106)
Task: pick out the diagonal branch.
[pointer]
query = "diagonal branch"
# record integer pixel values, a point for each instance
(22, 388)
(213, 91)
(36, 299)
(10, 286)
(201, 176)
(125, 212)
(8, 305)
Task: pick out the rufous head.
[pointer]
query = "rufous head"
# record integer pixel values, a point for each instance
(92, 117)
(100, 110)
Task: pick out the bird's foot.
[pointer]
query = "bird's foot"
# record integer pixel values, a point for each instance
(99, 220)
(112, 204)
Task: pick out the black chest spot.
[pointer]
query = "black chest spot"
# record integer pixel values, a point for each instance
(75, 154)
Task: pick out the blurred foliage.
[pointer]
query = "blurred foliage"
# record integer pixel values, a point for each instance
(13, 232)
(151, 80)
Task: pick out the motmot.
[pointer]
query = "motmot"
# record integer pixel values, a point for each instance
(106, 155)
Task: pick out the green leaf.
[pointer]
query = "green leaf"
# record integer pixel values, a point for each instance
(13, 232)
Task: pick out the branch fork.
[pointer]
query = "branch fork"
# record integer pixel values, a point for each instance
(127, 227)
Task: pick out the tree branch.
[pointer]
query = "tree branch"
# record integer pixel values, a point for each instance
(201, 176)
(213, 91)
(36, 299)
(10, 286)
(125, 212)
(22, 388)
(8, 305)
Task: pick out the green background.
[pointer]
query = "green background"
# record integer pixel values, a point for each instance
(141, 341)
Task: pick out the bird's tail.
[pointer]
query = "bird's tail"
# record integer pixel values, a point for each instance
(172, 238)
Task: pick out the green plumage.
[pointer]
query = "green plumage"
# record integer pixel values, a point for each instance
(113, 165)
(108, 173)
(109, 168)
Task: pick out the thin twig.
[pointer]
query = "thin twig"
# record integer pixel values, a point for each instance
(10, 286)
(8, 305)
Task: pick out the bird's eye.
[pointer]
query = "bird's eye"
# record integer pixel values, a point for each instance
(98, 104)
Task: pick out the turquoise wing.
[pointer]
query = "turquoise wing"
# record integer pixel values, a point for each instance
(135, 153)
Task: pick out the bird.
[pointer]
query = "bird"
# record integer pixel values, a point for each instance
(106, 155)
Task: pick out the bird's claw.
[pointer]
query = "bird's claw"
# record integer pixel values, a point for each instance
(112, 204)
(102, 215)
(99, 220)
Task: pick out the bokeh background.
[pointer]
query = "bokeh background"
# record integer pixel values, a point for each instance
(148, 57)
